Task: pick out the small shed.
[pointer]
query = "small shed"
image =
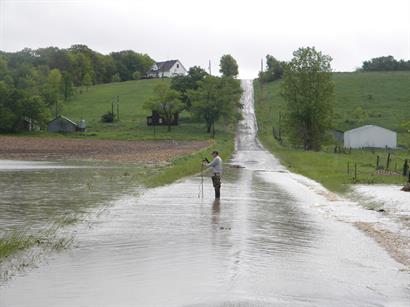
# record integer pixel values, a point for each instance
(370, 136)
(157, 120)
(62, 124)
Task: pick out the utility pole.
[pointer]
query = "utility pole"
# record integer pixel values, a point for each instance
(209, 67)
(118, 108)
(280, 130)
(262, 65)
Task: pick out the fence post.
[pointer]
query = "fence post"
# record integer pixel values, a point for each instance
(388, 161)
(377, 162)
(405, 167)
(355, 171)
(348, 167)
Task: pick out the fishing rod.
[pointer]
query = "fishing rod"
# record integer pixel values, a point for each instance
(202, 180)
(201, 187)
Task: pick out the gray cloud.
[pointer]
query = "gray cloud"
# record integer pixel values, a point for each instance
(195, 32)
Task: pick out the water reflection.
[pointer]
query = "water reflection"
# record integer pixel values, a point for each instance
(216, 210)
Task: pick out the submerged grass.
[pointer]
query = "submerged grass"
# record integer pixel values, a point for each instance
(19, 241)
(15, 243)
(20, 249)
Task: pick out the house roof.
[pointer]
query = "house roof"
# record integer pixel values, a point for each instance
(366, 127)
(336, 130)
(65, 118)
(166, 66)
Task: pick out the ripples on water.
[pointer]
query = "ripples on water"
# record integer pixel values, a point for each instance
(35, 194)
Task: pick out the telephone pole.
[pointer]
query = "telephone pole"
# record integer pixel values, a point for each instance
(118, 108)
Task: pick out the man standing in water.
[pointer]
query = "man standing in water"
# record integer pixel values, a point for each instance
(216, 165)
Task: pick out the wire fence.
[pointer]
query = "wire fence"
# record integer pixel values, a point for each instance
(387, 165)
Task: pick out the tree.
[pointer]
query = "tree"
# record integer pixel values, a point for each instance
(35, 109)
(53, 89)
(308, 89)
(7, 115)
(216, 98)
(16, 104)
(405, 124)
(228, 66)
(87, 82)
(274, 70)
(68, 86)
(183, 84)
(127, 62)
(166, 102)
(360, 115)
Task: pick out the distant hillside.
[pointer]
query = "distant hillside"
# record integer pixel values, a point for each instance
(92, 104)
(384, 97)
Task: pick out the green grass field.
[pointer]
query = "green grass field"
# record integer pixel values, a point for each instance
(91, 104)
(97, 100)
(386, 99)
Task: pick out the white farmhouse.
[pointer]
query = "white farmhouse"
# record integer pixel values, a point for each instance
(370, 136)
(167, 69)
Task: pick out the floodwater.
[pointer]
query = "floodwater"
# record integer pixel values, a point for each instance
(34, 194)
(267, 242)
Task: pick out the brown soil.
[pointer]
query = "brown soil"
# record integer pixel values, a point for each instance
(30, 148)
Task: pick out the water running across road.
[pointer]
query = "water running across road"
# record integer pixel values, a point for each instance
(263, 244)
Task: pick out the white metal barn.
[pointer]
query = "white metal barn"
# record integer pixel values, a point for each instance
(370, 136)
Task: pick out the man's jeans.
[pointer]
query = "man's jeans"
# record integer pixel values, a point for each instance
(216, 180)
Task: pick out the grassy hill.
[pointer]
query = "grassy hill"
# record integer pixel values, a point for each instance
(91, 104)
(385, 96)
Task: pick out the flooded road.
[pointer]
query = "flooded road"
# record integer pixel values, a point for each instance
(266, 243)
(36, 194)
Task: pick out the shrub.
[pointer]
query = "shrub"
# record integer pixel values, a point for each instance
(108, 117)
(116, 78)
(136, 75)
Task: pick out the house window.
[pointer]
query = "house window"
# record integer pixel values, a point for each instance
(177, 65)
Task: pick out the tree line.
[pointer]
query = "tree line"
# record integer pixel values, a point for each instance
(385, 63)
(35, 83)
(274, 68)
(208, 98)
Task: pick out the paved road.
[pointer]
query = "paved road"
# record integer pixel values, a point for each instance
(263, 244)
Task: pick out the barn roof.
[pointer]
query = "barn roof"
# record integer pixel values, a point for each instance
(366, 127)
(65, 118)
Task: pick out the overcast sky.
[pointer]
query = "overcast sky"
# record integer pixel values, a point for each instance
(198, 31)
